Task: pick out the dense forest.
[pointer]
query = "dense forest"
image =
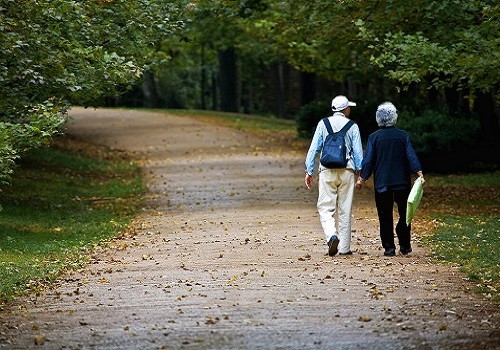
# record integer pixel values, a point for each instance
(437, 60)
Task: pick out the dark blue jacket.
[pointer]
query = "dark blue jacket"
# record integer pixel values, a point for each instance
(390, 157)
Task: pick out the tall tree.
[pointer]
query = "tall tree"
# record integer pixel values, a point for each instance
(443, 43)
(221, 31)
(56, 52)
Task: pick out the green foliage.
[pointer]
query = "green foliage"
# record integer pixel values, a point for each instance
(446, 42)
(490, 179)
(178, 82)
(59, 205)
(308, 117)
(213, 27)
(434, 130)
(78, 50)
(40, 124)
(474, 244)
(249, 123)
(57, 52)
(315, 36)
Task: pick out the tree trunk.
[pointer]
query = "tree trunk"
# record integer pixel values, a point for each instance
(228, 80)
(203, 78)
(280, 91)
(213, 94)
(433, 97)
(484, 106)
(307, 88)
(456, 102)
(352, 88)
(247, 99)
(151, 97)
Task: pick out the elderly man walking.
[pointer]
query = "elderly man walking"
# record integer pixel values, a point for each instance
(336, 185)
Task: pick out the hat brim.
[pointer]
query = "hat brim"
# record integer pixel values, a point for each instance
(349, 104)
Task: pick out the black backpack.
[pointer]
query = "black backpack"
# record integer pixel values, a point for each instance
(334, 153)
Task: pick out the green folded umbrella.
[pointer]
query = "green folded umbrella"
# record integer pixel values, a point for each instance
(414, 199)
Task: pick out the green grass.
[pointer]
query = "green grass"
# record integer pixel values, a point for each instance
(474, 244)
(481, 179)
(61, 204)
(251, 123)
(470, 237)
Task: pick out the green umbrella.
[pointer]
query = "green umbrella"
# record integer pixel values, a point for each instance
(414, 199)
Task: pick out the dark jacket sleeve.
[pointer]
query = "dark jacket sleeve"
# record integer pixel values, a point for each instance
(368, 159)
(412, 157)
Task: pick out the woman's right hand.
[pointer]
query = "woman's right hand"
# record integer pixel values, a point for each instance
(359, 183)
(421, 175)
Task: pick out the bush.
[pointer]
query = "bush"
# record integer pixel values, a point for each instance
(363, 114)
(31, 128)
(438, 131)
(55, 52)
(309, 116)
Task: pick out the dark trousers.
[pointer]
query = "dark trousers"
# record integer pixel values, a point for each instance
(385, 205)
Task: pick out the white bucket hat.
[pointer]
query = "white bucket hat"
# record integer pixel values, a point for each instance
(340, 103)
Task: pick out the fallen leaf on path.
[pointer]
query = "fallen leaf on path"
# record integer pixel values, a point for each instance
(306, 257)
(211, 320)
(375, 293)
(40, 339)
(364, 318)
(123, 246)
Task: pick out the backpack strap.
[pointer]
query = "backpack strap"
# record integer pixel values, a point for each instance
(346, 127)
(342, 131)
(328, 126)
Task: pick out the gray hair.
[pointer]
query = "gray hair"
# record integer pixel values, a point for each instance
(386, 115)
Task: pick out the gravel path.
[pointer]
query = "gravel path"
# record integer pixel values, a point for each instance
(229, 254)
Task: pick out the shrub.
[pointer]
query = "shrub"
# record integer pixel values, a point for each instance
(55, 52)
(363, 114)
(309, 115)
(438, 131)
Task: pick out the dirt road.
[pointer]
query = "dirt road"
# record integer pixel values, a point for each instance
(229, 254)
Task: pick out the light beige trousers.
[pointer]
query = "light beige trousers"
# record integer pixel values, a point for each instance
(336, 191)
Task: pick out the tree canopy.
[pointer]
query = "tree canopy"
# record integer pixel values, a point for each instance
(445, 42)
(57, 52)
(241, 56)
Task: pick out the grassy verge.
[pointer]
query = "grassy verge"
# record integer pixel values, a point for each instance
(282, 132)
(63, 200)
(470, 180)
(245, 122)
(474, 244)
(465, 210)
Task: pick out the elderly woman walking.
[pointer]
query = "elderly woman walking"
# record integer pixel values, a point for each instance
(390, 157)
